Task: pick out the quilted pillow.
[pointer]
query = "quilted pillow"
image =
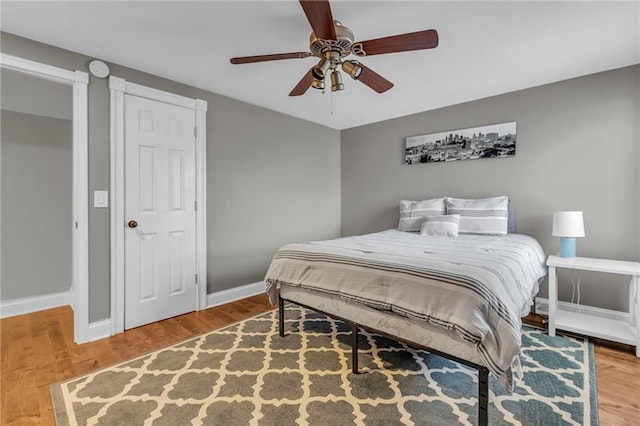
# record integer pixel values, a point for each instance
(413, 213)
(485, 216)
(441, 226)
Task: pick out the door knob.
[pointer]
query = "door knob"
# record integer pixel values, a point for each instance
(132, 224)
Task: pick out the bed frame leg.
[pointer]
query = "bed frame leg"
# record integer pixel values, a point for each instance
(280, 316)
(483, 396)
(354, 348)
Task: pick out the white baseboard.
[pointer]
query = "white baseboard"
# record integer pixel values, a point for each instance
(99, 330)
(542, 307)
(233, 294)
(27, 305)
(102, 329)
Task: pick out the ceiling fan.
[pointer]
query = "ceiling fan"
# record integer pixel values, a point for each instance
(332, 43)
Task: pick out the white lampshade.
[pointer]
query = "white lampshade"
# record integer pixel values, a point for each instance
(568, 224)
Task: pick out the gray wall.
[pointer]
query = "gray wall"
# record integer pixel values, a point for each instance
(272, 179)
(36, 216)
(577, 150)
(255, 183)
(22, 92)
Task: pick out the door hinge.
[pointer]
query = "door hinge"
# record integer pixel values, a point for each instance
(76, 225)
(195, 205)
(195, 132)
(196, 278)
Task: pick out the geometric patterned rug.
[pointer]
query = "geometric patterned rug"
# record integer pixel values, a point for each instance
(245, 374)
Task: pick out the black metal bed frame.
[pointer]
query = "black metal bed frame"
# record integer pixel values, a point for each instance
(483, 372)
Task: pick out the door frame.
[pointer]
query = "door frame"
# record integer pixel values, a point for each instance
(78, 80)
(118, 87)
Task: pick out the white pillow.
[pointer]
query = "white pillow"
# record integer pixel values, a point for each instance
(441, 226)
(413, 213)
(485, 216)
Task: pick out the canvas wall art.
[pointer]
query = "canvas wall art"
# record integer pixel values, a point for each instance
(492, 141)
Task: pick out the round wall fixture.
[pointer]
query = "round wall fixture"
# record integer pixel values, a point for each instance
(99, 69)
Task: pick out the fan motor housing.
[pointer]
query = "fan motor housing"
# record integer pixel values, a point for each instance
(342, 44)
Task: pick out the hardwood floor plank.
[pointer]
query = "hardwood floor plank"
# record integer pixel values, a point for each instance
(610, 419)
(46, 406)
(618, 393)
(37, 350)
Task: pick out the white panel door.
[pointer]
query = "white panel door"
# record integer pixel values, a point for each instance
(160, 243)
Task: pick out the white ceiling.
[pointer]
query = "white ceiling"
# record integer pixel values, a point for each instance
(486, 48)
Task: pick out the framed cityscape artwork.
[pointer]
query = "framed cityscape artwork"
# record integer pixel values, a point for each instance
(492, 141)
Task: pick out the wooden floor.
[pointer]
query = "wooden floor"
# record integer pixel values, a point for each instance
(38, 350)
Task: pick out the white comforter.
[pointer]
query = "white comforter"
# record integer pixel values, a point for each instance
(477, 286)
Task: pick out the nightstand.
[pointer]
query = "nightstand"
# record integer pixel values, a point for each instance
(624, 331)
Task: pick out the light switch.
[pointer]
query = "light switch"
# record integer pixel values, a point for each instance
(101, 199)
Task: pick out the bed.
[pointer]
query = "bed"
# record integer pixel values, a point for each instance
(462, 297)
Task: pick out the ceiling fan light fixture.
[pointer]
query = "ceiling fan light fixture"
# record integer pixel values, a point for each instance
(320, 70)
(352, 68)
(336, 81)
(331, 42)
(317, 84)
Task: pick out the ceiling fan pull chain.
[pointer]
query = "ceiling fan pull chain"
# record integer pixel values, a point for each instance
(331, 102)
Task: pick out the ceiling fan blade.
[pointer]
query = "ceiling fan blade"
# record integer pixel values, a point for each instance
(319, 15)
(302, 85)
(274, 57)
(427, 39)
(374, 80)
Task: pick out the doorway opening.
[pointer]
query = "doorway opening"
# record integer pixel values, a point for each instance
(45, 154)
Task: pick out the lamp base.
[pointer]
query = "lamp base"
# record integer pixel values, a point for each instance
(567, 247)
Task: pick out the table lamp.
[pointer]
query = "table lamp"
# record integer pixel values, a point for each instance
(568, 226)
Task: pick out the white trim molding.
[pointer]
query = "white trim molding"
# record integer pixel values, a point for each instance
(227, 296)
(118, 87)
(78, 80)
(43, 71)
(116, 93)
(27, 305)
(201, 197)
(99, 330)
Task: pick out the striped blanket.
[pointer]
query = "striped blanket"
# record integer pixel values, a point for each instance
(477, 286)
